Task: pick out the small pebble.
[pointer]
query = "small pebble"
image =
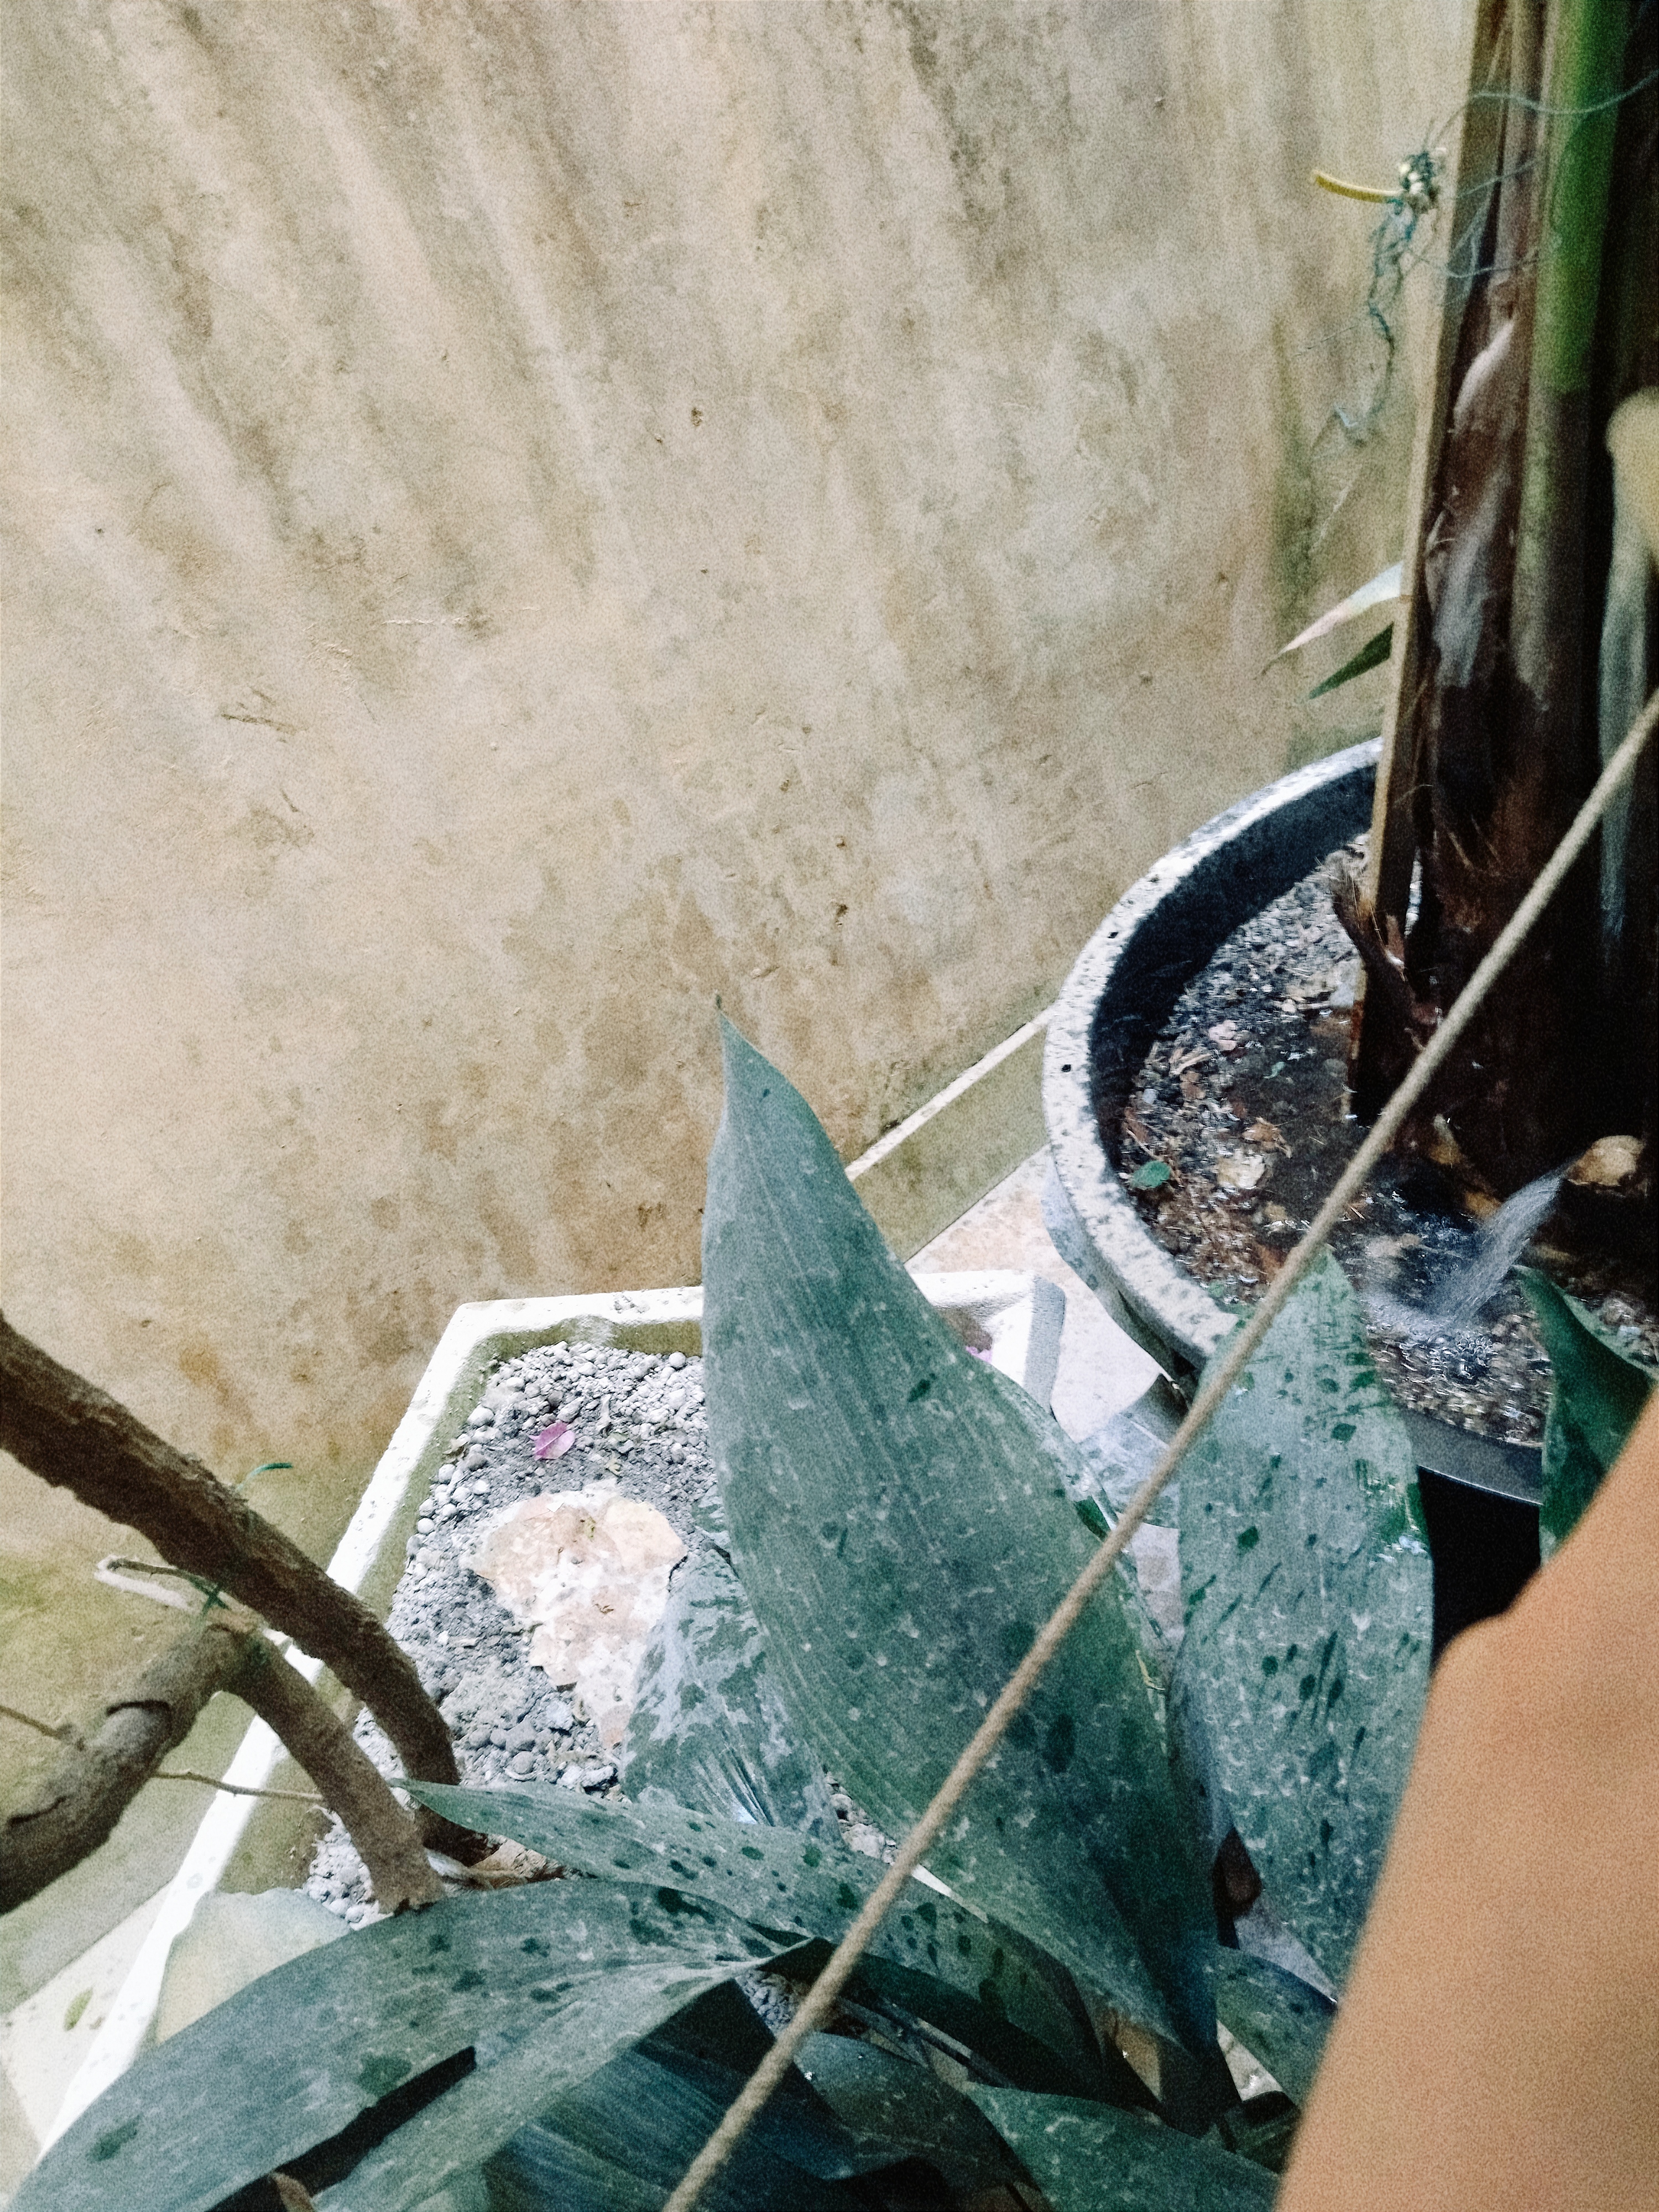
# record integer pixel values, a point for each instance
(593, 1775)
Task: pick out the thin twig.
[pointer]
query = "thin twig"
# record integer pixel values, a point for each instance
(236, 1788)
(62, 1734)
(118, 1572)
(820, 1998)
(67, 1432)
(1328, 183)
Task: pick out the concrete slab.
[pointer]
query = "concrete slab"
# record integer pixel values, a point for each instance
(1101, 1369)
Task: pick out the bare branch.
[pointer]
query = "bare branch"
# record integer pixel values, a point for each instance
(385, 1834)
(72, 1434)
(236, 1789)
(80, 1802)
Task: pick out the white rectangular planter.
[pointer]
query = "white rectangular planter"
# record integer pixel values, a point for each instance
(1015, 1319)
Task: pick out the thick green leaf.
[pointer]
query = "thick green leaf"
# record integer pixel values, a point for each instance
(541, 2171)
(1372, 654)
(1310, 1597)
(902, 1529)
(782, 1878)
(624, 2136)
(633, 2128)
(653, 2109)
(716, 2045)
(1090, 2158)
(518, 2073)
(1278, 2018)
(1597, 1392)
(881, 2099)
(709, 1728)
(558, 1976)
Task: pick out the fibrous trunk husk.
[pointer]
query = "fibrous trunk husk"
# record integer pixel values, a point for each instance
(1503, 746)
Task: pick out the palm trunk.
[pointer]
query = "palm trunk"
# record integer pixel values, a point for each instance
(1500, 738)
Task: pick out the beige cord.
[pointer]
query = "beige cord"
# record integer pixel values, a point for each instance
(816, 2006)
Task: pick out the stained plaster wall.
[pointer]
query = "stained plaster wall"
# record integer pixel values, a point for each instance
(525, 517)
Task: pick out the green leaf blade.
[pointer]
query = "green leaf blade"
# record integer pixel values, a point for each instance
(882, 2100)
(1372, 654)
(1088, 2158)
(901, 1531)
(1278, 2018)
(709, 1728)
(781, 1879)
(559, 1974)
(1597, 1392)
(1308, 1607)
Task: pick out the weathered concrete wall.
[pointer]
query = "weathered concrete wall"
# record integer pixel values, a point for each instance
(526, 516)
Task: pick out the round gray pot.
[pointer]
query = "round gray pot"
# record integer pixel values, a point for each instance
(1127, 978)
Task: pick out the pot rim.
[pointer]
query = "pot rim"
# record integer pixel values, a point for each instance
(1172, 1316)
(1160, 934)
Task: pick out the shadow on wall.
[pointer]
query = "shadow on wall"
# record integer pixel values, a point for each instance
(514, 533)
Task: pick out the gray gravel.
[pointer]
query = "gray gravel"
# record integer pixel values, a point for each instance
(639, 1420)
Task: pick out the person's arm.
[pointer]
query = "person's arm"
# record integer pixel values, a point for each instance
(1499, 2043)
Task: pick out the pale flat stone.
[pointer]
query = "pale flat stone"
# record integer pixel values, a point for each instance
(588, 1569)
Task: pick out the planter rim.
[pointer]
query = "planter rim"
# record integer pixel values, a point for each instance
(1015, 1317)
(1172, 1316)
(1186, 904)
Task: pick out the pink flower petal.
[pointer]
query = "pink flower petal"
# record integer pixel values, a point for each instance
(554, 1442)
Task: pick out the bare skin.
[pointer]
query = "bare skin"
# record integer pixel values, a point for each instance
(1498, 2044)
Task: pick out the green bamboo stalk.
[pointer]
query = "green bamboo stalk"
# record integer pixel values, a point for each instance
(1585, 69)
(1583, 78)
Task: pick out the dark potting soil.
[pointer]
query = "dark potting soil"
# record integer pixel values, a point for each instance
(1243, 1098)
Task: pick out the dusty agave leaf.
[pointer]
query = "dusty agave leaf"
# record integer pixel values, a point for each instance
(708, 1730)
(786, 1879)
(902, 1529)
(1310, 1599)
(1597, 1392)
(545, 1984)
(1279, 2019)
(623, 2136)
(883, 2100)
(1069, 2147)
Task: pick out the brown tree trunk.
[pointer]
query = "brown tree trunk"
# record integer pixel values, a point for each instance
(1496, 742)
(72, 1434)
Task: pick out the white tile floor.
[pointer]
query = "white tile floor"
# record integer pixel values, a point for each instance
(1101, 1369)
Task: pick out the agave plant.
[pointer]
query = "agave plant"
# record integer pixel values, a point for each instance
(1166, 1841)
